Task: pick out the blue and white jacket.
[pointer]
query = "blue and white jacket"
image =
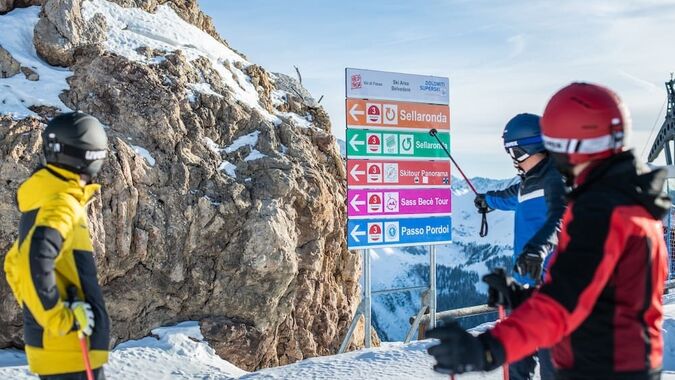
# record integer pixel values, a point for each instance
(539, 203)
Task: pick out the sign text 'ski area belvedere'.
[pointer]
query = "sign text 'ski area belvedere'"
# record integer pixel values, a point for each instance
(398, 176)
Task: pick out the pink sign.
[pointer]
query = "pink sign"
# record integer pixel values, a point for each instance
(398, 202)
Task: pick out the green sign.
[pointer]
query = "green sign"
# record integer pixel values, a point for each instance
(379, 143)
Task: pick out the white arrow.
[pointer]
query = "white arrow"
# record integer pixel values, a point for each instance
(356, 233)
(354, 142)
(355, 172)
(354, 111)
(356, 203)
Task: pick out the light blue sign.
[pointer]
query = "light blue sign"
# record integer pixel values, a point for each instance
(374, 233)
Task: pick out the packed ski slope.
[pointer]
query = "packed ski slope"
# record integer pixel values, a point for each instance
(178, 352)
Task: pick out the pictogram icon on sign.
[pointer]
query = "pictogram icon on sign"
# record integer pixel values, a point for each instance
(374, 202)
(390, 114)
(374, 232)
(391, 202)
(356, 81)
(374, 172)
(407, 144)
(390, 143)
(390, 172)
(374, 143)
(374, 113)
(391, 232)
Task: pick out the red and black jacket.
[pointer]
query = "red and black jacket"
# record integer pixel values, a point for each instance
(600, 307)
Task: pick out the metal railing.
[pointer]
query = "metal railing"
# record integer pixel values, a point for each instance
(471, 311)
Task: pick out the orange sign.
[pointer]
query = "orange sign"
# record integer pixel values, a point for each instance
(390, 114)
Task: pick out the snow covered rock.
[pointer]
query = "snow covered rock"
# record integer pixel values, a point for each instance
(254, 249)
(9, 66)
(62, 29)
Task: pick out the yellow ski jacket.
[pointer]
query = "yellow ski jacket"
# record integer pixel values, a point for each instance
(53, 253)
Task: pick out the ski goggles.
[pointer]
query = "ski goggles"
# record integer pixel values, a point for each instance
(515, 148)
(517, 153)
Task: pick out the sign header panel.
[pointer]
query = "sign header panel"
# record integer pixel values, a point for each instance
(381, 173)
(373, 233)
(391, 114)
(392, 143)
(389, 202)
(370, 84)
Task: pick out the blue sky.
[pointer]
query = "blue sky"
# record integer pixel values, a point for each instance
(502, 57)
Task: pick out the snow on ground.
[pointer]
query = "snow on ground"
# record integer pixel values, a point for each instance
(178, 352)
(250, 139)
(296, 120)
(229, 168)
(203, 88)
(396, 361)
(254, 155)
(278, 97)
(132, 28)
(145, 154)
(17, 93)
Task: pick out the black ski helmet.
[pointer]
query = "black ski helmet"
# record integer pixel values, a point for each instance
(522, 137)
(75, 141)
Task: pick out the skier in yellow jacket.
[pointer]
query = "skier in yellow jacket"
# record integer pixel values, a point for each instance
(51, 267)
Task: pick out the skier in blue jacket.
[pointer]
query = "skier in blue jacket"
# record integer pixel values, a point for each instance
(539, 202)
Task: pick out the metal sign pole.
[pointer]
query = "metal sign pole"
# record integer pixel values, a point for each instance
(367, 290)
(432, 286)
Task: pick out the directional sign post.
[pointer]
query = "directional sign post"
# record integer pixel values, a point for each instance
(398, 175)
(365, 143)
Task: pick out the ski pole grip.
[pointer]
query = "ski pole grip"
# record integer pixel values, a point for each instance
(433, 131)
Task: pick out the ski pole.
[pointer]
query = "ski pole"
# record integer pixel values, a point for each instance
(483, 222)
(72, 295)
(502, 315)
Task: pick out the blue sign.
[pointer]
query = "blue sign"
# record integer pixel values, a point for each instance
(373, 233)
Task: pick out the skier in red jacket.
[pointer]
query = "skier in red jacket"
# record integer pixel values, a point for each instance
(600, 307)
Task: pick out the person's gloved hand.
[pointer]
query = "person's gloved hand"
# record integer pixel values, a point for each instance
(84, 317)
(530, 262)
(460, 352)
(504, 290)
(481, 203)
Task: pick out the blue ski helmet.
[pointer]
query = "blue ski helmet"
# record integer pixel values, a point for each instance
(522, 137)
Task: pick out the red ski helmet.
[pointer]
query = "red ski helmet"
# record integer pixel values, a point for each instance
(584, 122)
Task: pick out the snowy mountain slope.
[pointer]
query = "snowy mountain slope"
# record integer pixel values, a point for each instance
(178, 353)
(18, 95)
(460, 265)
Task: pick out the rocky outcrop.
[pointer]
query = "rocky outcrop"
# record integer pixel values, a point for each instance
(62, 29)
(20, 144)
(9, 66)
(30, 74)
(212, 209)
(9, 5)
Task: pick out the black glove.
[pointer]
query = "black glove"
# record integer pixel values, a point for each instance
(481, 203)
(504, 290)
(530, 262)
(460, 352)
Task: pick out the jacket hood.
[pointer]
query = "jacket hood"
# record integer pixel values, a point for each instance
(50, 180)
(624, 173)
